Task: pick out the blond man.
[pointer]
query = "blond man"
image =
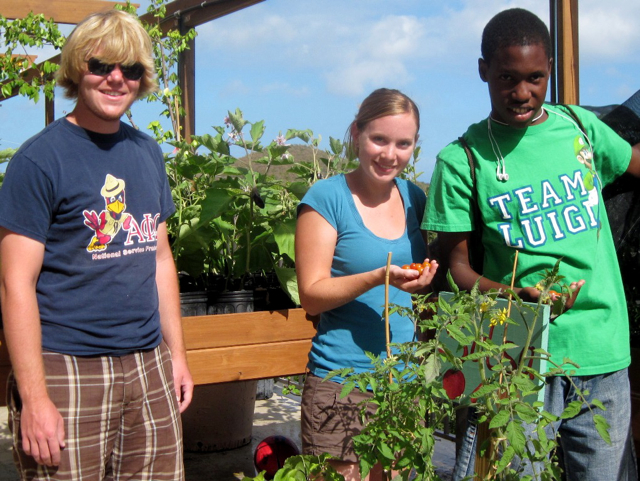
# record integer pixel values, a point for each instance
(88, 285)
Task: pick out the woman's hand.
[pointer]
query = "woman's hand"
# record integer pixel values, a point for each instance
(412, 280)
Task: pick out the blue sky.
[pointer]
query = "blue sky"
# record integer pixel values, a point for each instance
(307, 64)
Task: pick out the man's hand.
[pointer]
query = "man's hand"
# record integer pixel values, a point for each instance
(183, 383)
(42, 430)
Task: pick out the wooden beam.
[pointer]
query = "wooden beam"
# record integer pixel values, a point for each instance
(61, 11)
(29, 75)
(49, 110)
(234, 347)
(226, 330)
(187, 82)
(242, 363)
(179, 14)
(193, 13)
(565, 87)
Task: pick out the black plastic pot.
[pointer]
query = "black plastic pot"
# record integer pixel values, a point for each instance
(194, 303)
(220, 416)
(230, 302)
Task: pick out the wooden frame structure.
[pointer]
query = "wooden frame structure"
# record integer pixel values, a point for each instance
(565, 84)
(186, 14)
(233, 347)
(180, 14)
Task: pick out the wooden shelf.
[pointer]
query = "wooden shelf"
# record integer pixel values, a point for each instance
(233, 347)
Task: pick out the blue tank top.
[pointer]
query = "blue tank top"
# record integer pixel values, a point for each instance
(347, 332)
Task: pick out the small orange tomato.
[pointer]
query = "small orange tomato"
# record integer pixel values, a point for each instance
(423, 266)
(416, 266)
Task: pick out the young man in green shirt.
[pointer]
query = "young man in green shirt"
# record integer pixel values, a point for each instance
(539, 176)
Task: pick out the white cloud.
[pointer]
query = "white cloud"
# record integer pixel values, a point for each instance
(609, 32)
(234, 87)
(285, 89)
(378, 54)
(356, 45)
(249, 34)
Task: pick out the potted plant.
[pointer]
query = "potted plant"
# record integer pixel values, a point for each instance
(426, 380)
(233, 224)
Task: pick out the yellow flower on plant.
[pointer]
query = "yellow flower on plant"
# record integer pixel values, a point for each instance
(390, 359)
(500, 317)
(487, 304)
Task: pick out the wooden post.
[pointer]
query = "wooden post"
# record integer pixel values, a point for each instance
(187, 82)
(49, 110)
(565, 86)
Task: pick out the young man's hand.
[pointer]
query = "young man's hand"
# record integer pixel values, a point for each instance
(42, 431)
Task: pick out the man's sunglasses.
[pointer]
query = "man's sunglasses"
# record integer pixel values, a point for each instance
(130, 72)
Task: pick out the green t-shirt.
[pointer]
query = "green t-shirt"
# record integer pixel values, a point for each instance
(550, 207)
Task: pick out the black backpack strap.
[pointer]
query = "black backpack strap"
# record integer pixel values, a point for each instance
(472, 162)
(476, 249)
(568, 109)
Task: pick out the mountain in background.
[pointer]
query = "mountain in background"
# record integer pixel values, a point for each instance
(300, 153)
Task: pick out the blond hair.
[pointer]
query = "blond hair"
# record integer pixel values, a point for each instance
(380, 103)
(115, 37)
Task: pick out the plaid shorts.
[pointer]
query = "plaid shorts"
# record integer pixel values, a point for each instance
(121, 418)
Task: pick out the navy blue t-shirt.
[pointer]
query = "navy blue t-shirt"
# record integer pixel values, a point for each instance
(95, 201)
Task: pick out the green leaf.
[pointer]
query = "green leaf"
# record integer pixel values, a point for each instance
(431, 368)
(386, 451)
(602, 426)
(500, 419)
(571, 410)
(336, 145)
(6, 90)
(505, 459)
(257, 130)
(595, 402)
(215, 202)
(526, 412)
(346, 389)
(474, 356)
(516, 437)
(284, 234)
(457, 334)
(236, 119)
(484, 390)
(289, 282)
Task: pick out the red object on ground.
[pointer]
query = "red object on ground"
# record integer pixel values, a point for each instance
(454, 383)
(271, 454)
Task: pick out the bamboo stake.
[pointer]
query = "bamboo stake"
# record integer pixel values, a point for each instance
(482, 462)
(386, 310)
(513, 281)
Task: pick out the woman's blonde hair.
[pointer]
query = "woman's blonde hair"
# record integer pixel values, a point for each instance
(113, 36)
(380, 103)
